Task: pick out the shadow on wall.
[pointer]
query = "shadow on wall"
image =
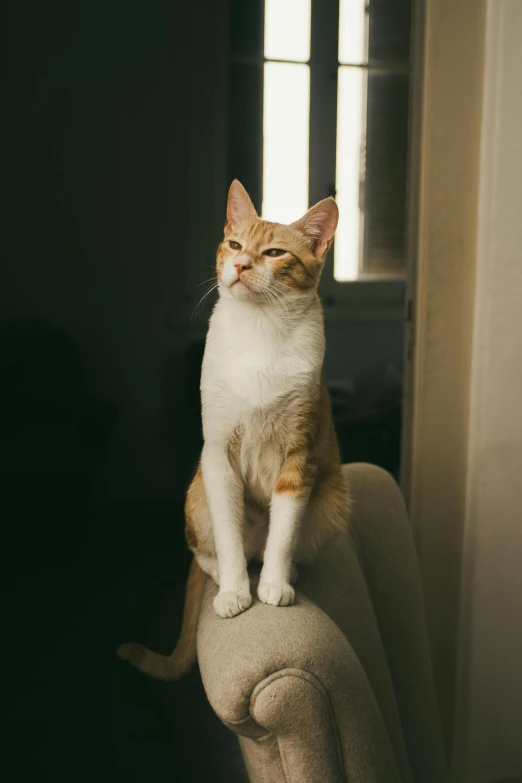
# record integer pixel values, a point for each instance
(54, 429)
(181, 429)
(367, 412)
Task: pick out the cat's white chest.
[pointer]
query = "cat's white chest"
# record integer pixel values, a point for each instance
(250, 371)
(240, 380)
(247, 366)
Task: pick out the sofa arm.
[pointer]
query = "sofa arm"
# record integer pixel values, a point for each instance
(289, 672)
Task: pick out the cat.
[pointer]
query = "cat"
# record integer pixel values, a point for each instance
(269, 484)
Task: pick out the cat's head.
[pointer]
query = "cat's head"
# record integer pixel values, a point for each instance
(264, 262)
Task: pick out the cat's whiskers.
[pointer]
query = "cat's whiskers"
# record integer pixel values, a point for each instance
(212, 288)
(214, 277)
(278, 298)
(269, 293)
(273, 301)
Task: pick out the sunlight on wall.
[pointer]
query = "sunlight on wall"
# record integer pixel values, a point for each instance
(351, 132)
(287, 30)
(285, 141)
(286, 110)
(351, 119)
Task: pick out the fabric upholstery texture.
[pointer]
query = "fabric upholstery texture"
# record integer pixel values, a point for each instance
(337, 687)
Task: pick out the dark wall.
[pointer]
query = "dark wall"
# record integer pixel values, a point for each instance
(118, 153)
(117, 178)
(114, 176)
(115, 157)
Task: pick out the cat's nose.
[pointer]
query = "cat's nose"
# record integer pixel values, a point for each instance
(241, 266)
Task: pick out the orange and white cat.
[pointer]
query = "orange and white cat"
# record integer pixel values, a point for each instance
(269, 485)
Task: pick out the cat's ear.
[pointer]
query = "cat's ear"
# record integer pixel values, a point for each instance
(240, 209)
(319, 224)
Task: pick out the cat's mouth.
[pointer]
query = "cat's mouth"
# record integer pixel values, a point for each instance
(239, 283)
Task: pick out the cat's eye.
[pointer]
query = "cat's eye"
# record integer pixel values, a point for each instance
(274, 251)
(234, 245)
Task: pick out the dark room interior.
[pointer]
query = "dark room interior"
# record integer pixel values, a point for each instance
(126, 123)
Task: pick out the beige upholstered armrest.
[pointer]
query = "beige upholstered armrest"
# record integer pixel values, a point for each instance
(289, 672)
(338, 686)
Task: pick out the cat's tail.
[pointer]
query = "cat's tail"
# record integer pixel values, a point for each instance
(175, 665)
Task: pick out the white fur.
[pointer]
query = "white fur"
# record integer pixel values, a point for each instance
(254, 354)
(286, 514)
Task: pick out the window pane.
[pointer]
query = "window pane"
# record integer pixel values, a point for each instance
(287, 30)
(386, 167)
(353, 31)
(351, 127)
(286, 119)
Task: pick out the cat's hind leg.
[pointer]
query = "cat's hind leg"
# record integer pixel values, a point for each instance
(209, 565)
(198, 528)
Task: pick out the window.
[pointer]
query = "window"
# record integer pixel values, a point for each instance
(286, 109)
(322, 88)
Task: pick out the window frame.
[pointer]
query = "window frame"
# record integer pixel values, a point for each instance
(374, 297)
(368, 297)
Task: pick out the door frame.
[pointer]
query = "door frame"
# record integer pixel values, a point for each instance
(443, 206)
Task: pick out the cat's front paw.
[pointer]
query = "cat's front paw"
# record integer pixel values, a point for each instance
(276, 593)
(228, 604)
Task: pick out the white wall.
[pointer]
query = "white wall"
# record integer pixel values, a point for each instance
(488, 743)
(449, 105)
